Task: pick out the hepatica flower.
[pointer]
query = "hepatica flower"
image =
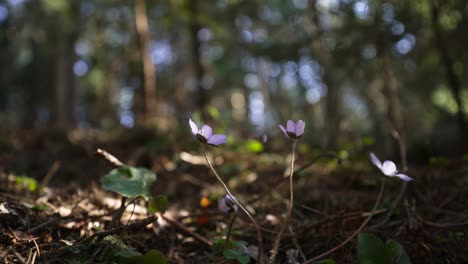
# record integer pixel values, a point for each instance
(388, 168)
(293, 130)
(227, 205)
(205, 135)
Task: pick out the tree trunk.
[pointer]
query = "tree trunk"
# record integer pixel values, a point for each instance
(394, 108)
(333, 113)
(203, 97)
(452, 78)
(149, 69)
(64, 78)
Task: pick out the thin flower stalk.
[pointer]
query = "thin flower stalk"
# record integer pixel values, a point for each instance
(228, 234)
(274, 250)
(257, 228)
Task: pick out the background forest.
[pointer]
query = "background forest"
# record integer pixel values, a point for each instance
(350, 69)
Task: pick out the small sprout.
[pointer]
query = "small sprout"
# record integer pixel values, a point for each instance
(205, 135)
(388, 168)
(227, 204)
(293, 130)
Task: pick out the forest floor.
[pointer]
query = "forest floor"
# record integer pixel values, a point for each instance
(53, 210)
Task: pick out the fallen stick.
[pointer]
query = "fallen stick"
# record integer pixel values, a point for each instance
(184, 230)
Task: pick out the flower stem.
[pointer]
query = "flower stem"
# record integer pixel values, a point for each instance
(274, 250)
(382, 186)
(228, 234)
(257, 229)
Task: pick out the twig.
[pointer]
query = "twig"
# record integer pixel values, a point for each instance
(184, 230)
(133, 211)
(118, 214)
(442, 225)
(137, 224)
(315, 210)
(18, 256)
(296, 243)
(48, 223)
(33, 259)
(115, 162)
(111, 159)
(355, 232)
(50, 174)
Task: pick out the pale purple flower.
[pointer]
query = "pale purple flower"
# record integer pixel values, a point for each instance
(205, 135)
(293, 130)
(227, 205)
(388, 168)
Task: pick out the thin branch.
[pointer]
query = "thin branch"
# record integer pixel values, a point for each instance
(442, 225)
(137, 224)
(111, 159)
(382, 186)
(184, 230)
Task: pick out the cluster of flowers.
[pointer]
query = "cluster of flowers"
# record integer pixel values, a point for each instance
(293, 130)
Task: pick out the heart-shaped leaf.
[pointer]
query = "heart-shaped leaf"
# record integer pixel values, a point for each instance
(396, 252)
(129, 181)
(371, 250)
(134, 257)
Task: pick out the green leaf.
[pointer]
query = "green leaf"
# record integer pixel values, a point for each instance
(244, 259)
(371, 250)
(232, 254)
(129, 181)
(158, 204)
(397, 252)
(239, 255)
(134, 257)
(254, 146)
(125, 256)
(238, 243)
(151, 257)
(214, 112)
(28, 182)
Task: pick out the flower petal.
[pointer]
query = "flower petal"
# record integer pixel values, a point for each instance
(193, 126)
(375, 161)
(404, 177)
(291, 126)
(206, 131)
(284, 130)
(227, 204)
(389, 168)
(222, 206)
(300, 128)
(217, 139)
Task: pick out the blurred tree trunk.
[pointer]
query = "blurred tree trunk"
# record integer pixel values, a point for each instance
(333, 112)
(149, 70)
(394, 111)
(31, 86)
(263, 72)
(452, 78)
(64, 78)
(203, 96)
